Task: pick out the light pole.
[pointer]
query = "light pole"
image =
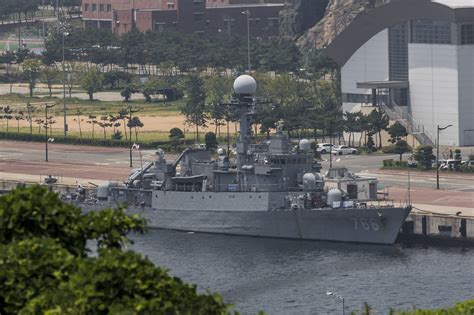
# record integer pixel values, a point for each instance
(57, 15)
(247, 13)
(46, 122)
(42, 19)
(340, 297)
(130, 111)
(64, 89)
(437, 153)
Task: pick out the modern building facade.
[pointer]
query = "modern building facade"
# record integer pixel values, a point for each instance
(188, 16)
(414, 58)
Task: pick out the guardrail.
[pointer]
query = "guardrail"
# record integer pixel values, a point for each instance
(394, 112)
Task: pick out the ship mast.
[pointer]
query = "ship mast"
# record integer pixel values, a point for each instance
(244, 88)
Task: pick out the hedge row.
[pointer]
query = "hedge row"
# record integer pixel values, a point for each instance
(86, 141)
(394, 164)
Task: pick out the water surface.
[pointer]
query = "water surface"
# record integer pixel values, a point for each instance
(292, 277)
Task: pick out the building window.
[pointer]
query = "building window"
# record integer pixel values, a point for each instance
(86, 6)
(356, 98)
(101, 7)
(170, 6)
(175, 24)
(467, 34)
(94, 7)
(109, 8)
(431, 32)
(198, 1)
(398, 52)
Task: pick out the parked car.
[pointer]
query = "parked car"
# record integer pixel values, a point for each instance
(450, 164)
(412, 162)
(343, 149)
(324, 148)
(467, 163)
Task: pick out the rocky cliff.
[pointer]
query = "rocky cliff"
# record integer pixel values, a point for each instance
(315, 23)
(300, 15)
(338, 14)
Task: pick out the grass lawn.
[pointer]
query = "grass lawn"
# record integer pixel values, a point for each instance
(97, 107)
(14, 46)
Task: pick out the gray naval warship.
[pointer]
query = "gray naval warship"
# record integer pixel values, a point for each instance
(270, 189)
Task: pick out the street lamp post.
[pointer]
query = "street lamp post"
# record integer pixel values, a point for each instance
(340, 297)
(57, 15)
(437, 153)
(46, 119)
(64, 89)
(247, 13)
(42, 19)
(130, 132)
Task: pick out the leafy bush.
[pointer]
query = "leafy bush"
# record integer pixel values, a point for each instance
(87, 141)
(390, 163)
(211, 140)
(117, 135)
(424, 156)
(461, 308)
(45, 269)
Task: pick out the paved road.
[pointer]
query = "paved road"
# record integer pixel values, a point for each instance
(371, 164)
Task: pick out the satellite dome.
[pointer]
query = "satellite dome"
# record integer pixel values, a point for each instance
(245, 84)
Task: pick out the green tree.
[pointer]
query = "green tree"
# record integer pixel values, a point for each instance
(424, 156)
(7, 114)
(397, 131)
(457, 154)
(135, 123)
(45, 267)
(50, 74)
(211, 140)
(92, 82)
(119, 282)
(176, 137)
(218, 89)
(127, 92)
(370, 145)
(93, 121)
(401, 147)
(378, 122)
(31, 71)
(194, 108)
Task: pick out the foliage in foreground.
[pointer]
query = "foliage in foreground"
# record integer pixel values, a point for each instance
(461, 308)
(45, 266)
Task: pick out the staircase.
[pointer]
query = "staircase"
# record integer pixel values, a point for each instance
(394, 112)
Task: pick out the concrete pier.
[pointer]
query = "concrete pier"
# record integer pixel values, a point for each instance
(448, 223)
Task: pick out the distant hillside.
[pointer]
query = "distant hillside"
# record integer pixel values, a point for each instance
(315, 23)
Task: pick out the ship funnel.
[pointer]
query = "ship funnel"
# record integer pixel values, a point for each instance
(245, 84)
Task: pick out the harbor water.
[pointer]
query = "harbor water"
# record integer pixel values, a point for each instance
(292, 277)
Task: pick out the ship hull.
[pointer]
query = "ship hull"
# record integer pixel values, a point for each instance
(372, 225)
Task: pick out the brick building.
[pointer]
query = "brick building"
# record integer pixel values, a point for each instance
(188, 16)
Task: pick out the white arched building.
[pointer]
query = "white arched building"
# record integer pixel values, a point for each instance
(414, 58)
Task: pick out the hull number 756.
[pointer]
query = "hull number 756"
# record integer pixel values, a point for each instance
(367, 224)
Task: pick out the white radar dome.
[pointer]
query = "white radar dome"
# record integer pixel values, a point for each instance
(245, 84)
